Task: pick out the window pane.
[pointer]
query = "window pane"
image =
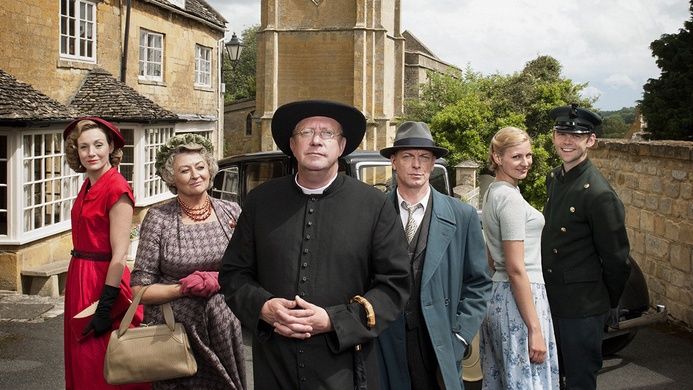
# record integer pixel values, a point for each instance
(47, 181)
(27, 145)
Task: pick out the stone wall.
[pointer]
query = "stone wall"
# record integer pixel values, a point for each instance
(35, 27)
(351, 52)
(236, 138)
(654, 181)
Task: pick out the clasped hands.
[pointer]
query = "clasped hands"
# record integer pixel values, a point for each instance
(296, 318)
(200, 283)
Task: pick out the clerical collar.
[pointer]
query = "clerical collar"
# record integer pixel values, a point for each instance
(314, 191)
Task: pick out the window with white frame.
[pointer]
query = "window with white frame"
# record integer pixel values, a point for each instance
(203, 66)
(127, 163)
(3, 185)
(78, 30)
(154, 139)
(151, 55)
(50, 186)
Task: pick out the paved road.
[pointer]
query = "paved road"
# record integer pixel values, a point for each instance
(31, 357)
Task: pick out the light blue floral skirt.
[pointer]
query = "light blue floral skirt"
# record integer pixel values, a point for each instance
(504, 343)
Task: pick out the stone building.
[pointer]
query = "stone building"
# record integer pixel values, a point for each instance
(152, 68)
(352, 52)
(418, 62)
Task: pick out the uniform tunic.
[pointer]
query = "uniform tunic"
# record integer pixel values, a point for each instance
(584, 243)
(325, 248)
(86, 278)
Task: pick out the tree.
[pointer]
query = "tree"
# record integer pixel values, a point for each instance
(465, 110)
(240, 77)
(667, 102)
(614, 126)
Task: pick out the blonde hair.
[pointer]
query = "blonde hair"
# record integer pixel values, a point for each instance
(72, 153)
(505, 138)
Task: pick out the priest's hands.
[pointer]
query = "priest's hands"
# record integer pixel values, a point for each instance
(296, 318)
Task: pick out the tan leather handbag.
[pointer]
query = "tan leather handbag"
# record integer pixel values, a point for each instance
(148, 353)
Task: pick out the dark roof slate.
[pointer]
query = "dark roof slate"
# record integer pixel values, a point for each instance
(102, 95)
(21, 102)
(198, 8)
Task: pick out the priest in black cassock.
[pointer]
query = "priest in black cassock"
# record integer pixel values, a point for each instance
(318, 265)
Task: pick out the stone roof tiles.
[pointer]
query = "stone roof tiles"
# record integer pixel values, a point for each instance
(198, 8)
(102, 95)
(21, 102)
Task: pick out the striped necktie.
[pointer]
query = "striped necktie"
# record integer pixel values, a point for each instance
(410, 228)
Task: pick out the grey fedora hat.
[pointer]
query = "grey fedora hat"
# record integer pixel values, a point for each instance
(414, 135)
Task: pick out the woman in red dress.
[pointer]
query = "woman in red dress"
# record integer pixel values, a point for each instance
(101, 219)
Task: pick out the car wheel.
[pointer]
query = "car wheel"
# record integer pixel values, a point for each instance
(614, 344)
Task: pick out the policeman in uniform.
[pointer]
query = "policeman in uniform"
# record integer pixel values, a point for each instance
(584, 248)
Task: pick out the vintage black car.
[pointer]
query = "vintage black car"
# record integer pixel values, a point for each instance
(240, 174)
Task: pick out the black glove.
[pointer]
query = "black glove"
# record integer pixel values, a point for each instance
(101, 320)
(613, 318)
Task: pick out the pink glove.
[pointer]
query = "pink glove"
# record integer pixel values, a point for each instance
(200, 283)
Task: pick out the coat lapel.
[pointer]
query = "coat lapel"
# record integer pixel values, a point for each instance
(440, 234)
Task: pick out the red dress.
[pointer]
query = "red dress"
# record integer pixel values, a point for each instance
(86, 278)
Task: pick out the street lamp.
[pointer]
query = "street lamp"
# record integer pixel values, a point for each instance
(233, 49)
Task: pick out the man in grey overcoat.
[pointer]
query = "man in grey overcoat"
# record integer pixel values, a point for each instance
(450, 281)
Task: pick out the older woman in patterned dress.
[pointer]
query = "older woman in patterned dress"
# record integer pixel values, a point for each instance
(180, 250)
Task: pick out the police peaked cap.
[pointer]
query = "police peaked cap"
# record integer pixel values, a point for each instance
(572, 119)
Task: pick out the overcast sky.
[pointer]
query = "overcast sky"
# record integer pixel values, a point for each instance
(602, 42)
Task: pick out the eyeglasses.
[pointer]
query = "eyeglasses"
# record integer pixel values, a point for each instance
(323, 134)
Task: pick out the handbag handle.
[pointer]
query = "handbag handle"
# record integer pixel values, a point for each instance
(127, 318)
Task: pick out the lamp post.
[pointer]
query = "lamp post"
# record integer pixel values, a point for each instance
(233, 49)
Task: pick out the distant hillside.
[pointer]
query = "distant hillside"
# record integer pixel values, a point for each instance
(616, 123)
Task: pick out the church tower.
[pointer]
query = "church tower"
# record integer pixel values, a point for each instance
(351, 51)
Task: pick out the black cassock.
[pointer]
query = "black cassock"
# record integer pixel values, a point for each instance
(325, 248)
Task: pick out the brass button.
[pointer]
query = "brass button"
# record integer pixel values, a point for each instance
(572, 209)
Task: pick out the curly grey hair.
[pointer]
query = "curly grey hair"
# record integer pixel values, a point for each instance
(165, 161)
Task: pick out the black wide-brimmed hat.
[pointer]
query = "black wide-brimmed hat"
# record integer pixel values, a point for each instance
(116, 135)
(414, 135)
(572, 119)
(287, 117)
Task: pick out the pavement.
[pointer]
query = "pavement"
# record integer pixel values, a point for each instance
(31, 343)
(16, 307)
(31, 351)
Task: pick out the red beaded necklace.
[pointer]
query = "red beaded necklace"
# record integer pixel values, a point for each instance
(197, 214)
